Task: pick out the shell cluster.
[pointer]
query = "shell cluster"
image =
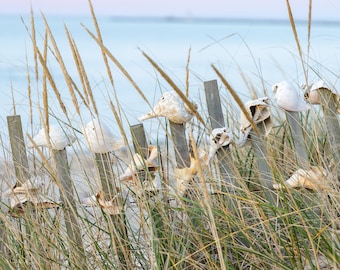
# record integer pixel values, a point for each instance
(28, 194)
(99, 139)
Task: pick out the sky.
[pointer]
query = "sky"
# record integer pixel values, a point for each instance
(259, 9)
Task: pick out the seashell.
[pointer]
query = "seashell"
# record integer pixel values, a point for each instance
(259, 111)
(32, 186)
(288, 98)
(108, 206)
(138, 163)
(58, 137)
(184, 176)
(312, 93)
(171, 106)
(203, 157)
(99, 138)
(21, 203)
(313, 179)
(219, 137)
(28, 195)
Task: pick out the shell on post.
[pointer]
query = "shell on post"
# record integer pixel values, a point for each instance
(171, 106)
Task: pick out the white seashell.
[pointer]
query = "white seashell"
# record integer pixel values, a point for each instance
(312, 93)
(40, 200)
(219, 137)
(108, 206)
(184, 176)
(313, 179)
(321, 84)
(58, 137)
(99, 138)
(171, 106)
(259, 112)
(31, 186)
(19, 202)
(30, 194)
(138, 163)
(288, 98)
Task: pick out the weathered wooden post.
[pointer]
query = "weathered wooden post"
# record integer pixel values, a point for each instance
(329, 106)
(101, 142)
(18, 149)
(256, 129)
(22, 174)
(139, 141)
(159, 241)
(217, 121)
(183, 161)
(259, 148)
(117, 224)
(19, 160)
(297, 134)
(180, 144)
(77, 252)
(225, 163)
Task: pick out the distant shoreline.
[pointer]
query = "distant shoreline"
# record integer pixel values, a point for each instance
(185, 19)
(174, 19)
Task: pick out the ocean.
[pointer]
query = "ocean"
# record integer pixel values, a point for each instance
(249, 53)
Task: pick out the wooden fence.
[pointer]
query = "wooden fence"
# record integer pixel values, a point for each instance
(116, 225)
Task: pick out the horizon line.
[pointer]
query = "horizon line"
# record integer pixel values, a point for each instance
(181, 19)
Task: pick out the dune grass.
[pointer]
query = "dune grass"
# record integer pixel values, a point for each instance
(165, 230)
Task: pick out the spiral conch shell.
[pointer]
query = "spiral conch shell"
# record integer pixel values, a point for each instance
(219, 137)
(138, 163)
(312, 93)
(171, 106)
(184, 176)
(313, 179)
(288, 98)
(259, 112)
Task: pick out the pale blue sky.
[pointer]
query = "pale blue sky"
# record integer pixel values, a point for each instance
(266, 9)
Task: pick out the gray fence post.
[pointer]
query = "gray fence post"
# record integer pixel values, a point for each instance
(117, 222)
(160, 242)
(297, 134)
(217, 121)
(329, 107)
(180, 144)
(18, 149)
(73, 229)
(266, 177)
(20, 165)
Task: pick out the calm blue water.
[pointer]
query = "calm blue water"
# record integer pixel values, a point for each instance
(264, 52)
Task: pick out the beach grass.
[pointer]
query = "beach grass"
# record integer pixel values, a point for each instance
(165, 229)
